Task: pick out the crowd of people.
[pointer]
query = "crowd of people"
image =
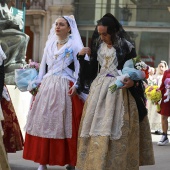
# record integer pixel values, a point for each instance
(159, 119)
(74, 119)
(155, 78)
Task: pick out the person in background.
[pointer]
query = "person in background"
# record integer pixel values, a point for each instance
(154, 117)
(54, 117)
(165, 111)
(151, 81)
(114, 130)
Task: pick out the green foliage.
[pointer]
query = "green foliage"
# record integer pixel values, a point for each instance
(136, 60)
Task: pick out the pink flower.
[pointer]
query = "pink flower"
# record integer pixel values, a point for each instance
(33, 64)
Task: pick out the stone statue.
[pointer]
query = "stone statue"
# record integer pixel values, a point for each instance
(13, 42)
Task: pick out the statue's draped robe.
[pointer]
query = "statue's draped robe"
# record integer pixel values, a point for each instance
(14, 44)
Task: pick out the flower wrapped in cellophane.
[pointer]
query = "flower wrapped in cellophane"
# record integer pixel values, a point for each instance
(32, 64)
(154, 94)
(25, 75)
(128, 71)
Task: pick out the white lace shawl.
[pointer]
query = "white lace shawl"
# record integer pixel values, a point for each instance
(50, 50)
(60, 64)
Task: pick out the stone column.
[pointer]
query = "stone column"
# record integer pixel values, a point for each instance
(36, 26)
(41, 21)
(56, 10)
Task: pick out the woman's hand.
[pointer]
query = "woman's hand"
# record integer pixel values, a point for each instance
(128, 83)
(85, 50)
(72, 91)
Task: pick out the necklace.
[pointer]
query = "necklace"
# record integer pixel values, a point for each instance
(61, 42)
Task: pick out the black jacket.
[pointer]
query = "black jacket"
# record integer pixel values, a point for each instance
(89, 69)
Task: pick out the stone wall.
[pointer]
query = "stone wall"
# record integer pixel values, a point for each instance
(40, 16)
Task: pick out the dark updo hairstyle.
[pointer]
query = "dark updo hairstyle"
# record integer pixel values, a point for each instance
(114, 28)
(66, 21)
(67, 24)
(111, 23)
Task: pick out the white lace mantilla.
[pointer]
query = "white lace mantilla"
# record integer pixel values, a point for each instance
(105, 110)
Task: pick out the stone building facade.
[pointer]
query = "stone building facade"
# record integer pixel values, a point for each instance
(40, 15)
(147, 21)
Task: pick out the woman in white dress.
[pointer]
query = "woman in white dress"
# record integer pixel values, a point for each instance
(53, 120)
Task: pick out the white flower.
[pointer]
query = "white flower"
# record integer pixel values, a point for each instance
(141, 65)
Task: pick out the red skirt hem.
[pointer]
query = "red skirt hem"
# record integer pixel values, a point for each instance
(55, 151)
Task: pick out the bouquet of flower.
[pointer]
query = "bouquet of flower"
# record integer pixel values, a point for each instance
(25, 75)
(143, 67)
(32, 64)
(154, 94)
(127, 71)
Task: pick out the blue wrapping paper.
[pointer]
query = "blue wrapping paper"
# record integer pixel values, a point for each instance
(23, 77)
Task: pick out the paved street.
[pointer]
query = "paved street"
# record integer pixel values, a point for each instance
(162, 159)
(21, 104)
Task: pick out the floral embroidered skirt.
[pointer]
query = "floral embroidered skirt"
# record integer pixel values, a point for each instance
(46, 149)
(127, 151)
(12, 137)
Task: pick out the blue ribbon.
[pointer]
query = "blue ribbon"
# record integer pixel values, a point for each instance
(68, 53)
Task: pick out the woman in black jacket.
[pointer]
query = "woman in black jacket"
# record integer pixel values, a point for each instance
(113, 123)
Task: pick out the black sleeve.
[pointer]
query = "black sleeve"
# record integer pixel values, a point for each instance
(87, 73)
(2, 76)
(124, 56)
(132, 54)
(137, 92)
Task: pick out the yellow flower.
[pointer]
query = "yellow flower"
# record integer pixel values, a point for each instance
(153, 93)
